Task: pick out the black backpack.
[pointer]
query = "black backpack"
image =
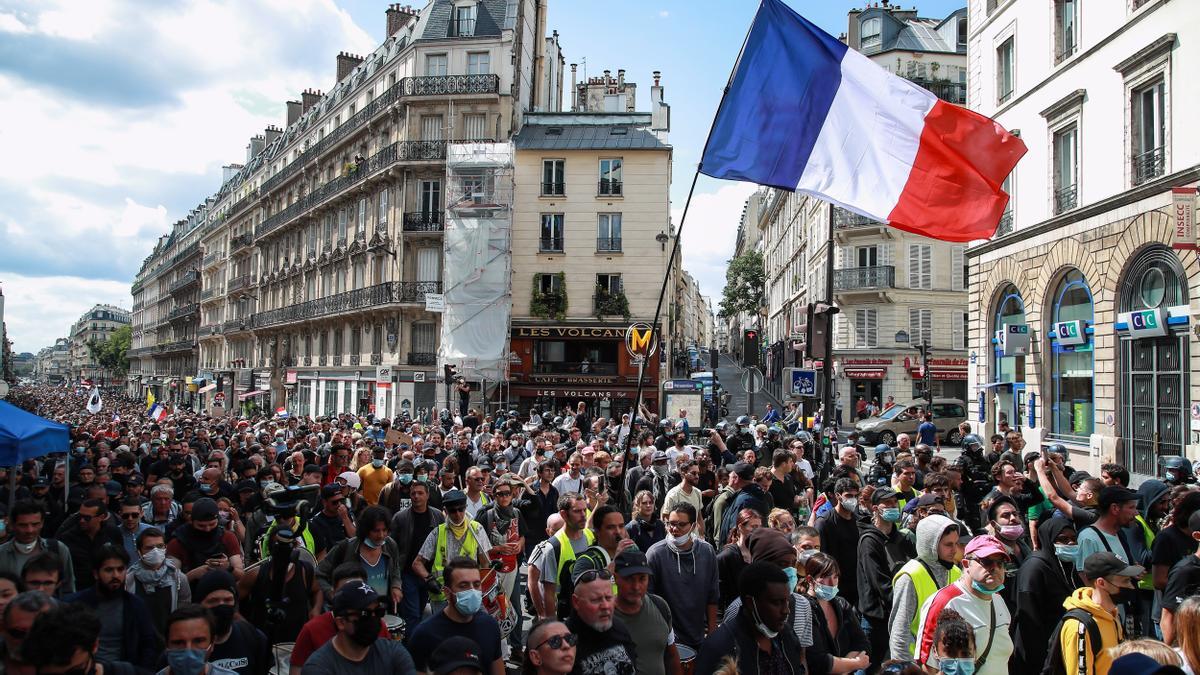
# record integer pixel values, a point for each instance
(1054, 658)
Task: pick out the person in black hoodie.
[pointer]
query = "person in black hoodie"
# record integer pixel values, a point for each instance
(882, 551)
(1044, 581)
(757, 637)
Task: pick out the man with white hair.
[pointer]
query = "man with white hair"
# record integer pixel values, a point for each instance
(162, 508)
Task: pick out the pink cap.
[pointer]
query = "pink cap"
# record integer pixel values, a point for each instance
(984, 546)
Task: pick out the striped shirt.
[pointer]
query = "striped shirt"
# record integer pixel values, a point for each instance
(976, 612)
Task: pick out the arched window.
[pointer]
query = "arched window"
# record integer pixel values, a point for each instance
(1009, 311)
(1008, 362)
(1072, 412)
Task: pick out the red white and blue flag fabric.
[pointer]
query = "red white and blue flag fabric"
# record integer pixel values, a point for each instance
(805, 112)
(157, 412)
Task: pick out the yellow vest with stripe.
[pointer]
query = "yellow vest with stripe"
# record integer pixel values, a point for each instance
(566, 552)
(305, 537)
(924, 585)
(1146, 583)
(469, 545)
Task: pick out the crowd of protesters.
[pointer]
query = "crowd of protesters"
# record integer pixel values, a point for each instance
(465, 543)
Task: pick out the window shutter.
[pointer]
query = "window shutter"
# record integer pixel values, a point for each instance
(846, 255)
(914, 266)
(872, 328)
(860, 323)
(886, 256)
(956, 265)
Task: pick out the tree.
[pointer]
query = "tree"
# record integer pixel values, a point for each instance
(745, 285)
(112, 354)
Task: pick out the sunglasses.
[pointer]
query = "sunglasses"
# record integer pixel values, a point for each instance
(557, 641)
(130, 516)
(455, 509)
(592, 575)
(505, 493)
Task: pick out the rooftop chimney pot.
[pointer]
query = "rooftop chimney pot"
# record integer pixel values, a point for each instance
(346, 63)
(294, 109)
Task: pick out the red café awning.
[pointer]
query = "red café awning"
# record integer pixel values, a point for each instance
(866, 373)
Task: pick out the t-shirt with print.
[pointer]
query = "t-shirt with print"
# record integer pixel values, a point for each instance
(611, 652)
(244, 652)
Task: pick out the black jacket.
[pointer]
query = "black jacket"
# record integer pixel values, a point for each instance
(401, 531)
(1043, 583)
(850, 637)
(139, 642)
(737, 638)
(879, 558)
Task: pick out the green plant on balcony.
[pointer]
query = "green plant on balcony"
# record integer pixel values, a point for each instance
(611, 304)
(349, 169)
(552, 305)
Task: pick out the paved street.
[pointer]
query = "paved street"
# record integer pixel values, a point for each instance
(730, 374)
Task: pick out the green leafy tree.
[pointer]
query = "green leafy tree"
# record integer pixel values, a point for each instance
(112, 354)
(745, 285)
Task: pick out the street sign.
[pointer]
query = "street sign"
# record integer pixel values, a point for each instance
(435, 302)
(752, 380)
(802, 382)
(419, 376)
(640, 340)
(1183, 218)
(383, 373)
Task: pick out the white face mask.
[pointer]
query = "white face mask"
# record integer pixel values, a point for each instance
(762, 627)
(682, 540)
(154, 557)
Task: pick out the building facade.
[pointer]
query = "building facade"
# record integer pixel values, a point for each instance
(93, 326)
(590, 247)
(1084, 332)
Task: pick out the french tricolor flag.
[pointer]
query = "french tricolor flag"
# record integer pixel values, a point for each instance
(805, 112)
(157, 412)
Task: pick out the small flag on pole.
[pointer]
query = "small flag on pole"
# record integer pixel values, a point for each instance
(94, 403)
(805, 112)
(157, 412)
(149, 400)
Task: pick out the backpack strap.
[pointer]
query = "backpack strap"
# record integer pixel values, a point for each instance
(1088, 627)
(991, 634)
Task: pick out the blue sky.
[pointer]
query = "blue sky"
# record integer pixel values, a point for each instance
(120, 114)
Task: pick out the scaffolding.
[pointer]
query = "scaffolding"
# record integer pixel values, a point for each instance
(477, 262)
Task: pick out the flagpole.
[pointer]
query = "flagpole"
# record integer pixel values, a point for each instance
(654, 331)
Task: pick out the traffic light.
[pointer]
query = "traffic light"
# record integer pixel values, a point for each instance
(750, 348)
(449, 372)
(820, 320)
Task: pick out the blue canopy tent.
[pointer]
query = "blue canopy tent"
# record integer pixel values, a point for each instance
(23, 436)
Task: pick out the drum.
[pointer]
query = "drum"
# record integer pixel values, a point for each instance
(687, 658)
(395, 626)
(281, 657)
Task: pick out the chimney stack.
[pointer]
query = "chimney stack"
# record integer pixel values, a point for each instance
(398, 17)
(574, 89)
(346, 62)
(309, 98)
(293, 112)
(271, 133)
(657, 77)
(621, 77)
(607, 77)
(257, 144)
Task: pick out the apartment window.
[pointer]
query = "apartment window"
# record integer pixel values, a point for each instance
(1149, 132)
(474, 127)
(463, 24)
(867, 256)
(424, 338)
(962, 32)
(866, 328)
(312, 241)
(552, 233)
(431, 198)
(920, 266)
(958, 270)
(339, 346)
(1066, 35)
(381, 217)
(959, 329)
(1004, 70)
(431, 127)
(549, 283)
(1066, 169)
(479, 63)
(437, 65)
(356, 340)
(920, 326)
(871, 33)
(609, 284)
(361, 225)
(360, 273)
(377, 339)
(377, 270)
(552, 177)
(608, 232)
(610, 177)
(342, 215)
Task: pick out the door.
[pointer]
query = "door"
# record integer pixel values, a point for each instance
(1152, 407)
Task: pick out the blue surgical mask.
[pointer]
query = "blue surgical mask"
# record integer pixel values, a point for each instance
(370, 542)
(206, 488)
(891, 515)
(980, 588)
(186, 661)
(405, 478)
(826, 592)
(1066, 552)
(957, 666)
(791, 575)
(377, 463)
(468, 602)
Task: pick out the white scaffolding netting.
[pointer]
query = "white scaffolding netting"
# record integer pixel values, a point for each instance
(477, 260)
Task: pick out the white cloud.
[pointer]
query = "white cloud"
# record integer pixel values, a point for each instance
(663, 14)
(37, 310)
(710, 234)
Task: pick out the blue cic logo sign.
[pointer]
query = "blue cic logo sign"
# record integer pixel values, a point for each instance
(1071, 332)
(1146, 323)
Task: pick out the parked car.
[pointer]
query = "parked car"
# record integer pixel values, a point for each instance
(904, 418)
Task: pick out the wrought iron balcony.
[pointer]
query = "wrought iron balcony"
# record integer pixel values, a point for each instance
(388, 293)
(952, 92)
(1066, 198)
(242, 203)
(235, 325)
(608, 244)
(184, 345)
(550, 245)
(609, 187)
(205, 331)
(211, 293)
(240, 243)
(415, 291)
(238, 283)
(1006, 224)
(185, 280)
(420, 221)
(554, 189)
(184, 312)
(422, 358)
(843, 219)
(212, 258)
(864, 278)
(448, 85)
(1149, 164)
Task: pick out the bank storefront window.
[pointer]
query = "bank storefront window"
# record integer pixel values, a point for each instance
(1072, 411)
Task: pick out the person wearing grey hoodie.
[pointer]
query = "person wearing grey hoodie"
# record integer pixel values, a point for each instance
(937, 550)
(685, 575)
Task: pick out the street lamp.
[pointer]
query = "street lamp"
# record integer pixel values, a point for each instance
(662, 239)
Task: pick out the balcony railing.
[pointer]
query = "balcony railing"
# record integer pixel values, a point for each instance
(391, 292)
(422, 358)
(1006, 224)
(952, 92)
(1149, 164)
(210, 293)
(212, 258)
(608, 244)
(610, 187)
(238, 283)
(462, 27)
(235, 325)
(415, 291)
(843, 219)
(553, 189)
(186, 344)
(205, 331)
(420, 221)
(184, 312)
(550, 245)
(864, 278)
(1064, 52)
(409, 86)
(396, 152)
(610, 304)
(242, 203)
(1066, 198)
(241, 242)
(185, 280)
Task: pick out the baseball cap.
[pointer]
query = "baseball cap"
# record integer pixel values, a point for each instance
(659, 456)
(355, 595)
(922, 501)
(1140, 664)
(454, 498)
(882, 493)
(455, 653)
(1078, 477)
(1116, 494)
(134, 480)
(984, 546)
(585, 564)
(632, 561)
(331, 490)
(1105, 564)
(744, 470)
(41, 482)
(112, 488)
